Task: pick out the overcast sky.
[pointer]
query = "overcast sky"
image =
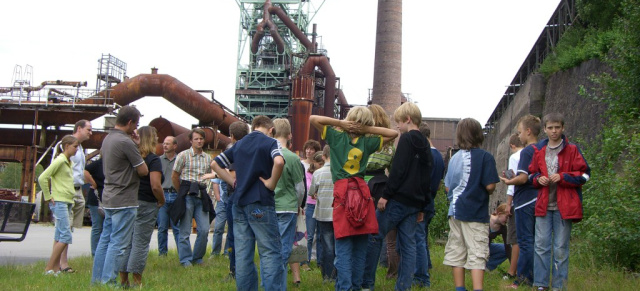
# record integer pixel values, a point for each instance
(458, 56)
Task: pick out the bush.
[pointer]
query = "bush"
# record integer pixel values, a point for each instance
(611, 228)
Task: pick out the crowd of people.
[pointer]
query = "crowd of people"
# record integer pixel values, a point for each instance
(367, 194)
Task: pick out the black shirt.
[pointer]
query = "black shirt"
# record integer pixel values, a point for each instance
(95, 170)
(155, 165)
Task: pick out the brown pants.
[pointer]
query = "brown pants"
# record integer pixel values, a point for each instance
(393, 258)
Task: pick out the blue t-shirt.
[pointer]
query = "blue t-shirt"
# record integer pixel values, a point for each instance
(436, 176)
(252, 157)
(525, 194)
(469, 173)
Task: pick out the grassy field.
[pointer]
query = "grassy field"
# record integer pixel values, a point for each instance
(165, 273)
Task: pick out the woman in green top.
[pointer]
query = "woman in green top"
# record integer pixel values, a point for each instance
(56, 183)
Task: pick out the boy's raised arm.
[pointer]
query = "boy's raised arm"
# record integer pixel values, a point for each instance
(319, 122)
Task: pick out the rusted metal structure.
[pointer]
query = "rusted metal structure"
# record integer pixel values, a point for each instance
(387, 75)
(281, 59)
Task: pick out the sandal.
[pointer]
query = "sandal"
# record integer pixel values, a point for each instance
(68, 270)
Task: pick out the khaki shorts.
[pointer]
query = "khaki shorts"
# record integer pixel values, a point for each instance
(512, 239)
(468, 245)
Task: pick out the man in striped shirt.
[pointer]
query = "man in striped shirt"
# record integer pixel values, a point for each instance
(190, 167)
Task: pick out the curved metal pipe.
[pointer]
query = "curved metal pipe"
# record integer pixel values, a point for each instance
(212, 139)
(299, 34)
(176, 92)
(330, 80)
(273, 29)
(76, 84)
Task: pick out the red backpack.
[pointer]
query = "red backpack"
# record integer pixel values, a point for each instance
(356, 204)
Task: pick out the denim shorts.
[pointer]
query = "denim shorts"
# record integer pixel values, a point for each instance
(62, 213)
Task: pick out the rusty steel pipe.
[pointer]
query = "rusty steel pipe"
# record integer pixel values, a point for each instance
(330, 80)
(13, 136)
(174, 91)
(76, 84)
(301, 108)
(299, 34)
(273, 30)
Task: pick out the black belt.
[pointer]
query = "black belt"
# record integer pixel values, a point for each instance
(170, 190)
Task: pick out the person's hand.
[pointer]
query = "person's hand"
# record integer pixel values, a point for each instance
(135, 137)
(420, 217)
(505, 180)
(555, 178)
(351, 126)
(53, 203)
(94, 186)
(509, 208)
(382, 204)
(161, 203)
(269, 183)
(543, 180)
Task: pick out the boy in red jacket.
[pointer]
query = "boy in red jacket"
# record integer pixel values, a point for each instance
(559, 170)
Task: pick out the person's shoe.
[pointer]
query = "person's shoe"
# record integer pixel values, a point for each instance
(508, 276)
(540, 288)
(68, 270)
(305, 267)
(51, 273)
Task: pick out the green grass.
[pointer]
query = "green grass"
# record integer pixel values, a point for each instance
(165, 273)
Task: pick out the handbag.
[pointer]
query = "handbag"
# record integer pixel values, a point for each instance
(299, 253)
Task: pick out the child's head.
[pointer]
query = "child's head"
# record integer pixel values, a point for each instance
(528, 128)
(380, 117)
(554, 126)
(360, 114)
(469, 134)
(407, 112)
(281, 128)
(425, 130)
(238, 130)
(325, 152)
(261, 122)
(318, 162)
(310, 148)
(68, 145)
(514, 142)
(501, 213)
(148, 140)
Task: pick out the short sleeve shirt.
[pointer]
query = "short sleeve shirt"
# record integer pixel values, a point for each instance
(252, 158)
(192, 166)
(525, 194)
(468, 175)
(120, 157)
(155, 165)
(349, 157)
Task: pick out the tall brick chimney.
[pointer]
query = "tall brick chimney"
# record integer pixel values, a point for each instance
(387, 75)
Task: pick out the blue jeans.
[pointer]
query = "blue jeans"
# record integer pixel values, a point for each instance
(326, 235)
(552, 230)
(525, 229)
(311, 233)
(497, 255)
(421, 275)
(62, 212)
(116, 236)
(164, 221)
(96, 227)
(256, 223)
(351, 254)
(218, 228)
(403, 218)
(229, 245)
(193, 210)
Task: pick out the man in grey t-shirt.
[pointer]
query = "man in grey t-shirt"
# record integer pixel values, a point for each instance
(123, 166)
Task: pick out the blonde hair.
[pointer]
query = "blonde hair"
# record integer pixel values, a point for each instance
(360, 114)
(281, 128)
(148, 140)
(501, 209)
(406, 111)
(65, 142)
(531, 122)
(380, 117)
